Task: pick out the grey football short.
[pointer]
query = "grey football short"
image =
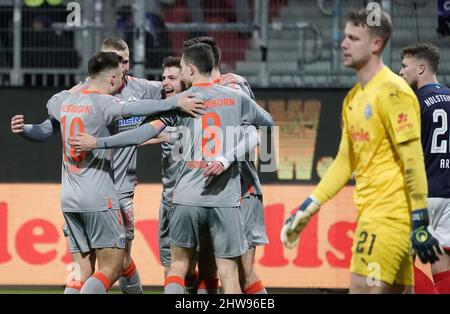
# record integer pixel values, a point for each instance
(94, 230)
(188, 225)
(163, 235)
(126, 207)
(252, 209)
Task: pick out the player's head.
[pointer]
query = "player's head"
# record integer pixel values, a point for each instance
(209, 41)
(419, 61)
(364, 37)
(104, 68)
(197, 59)
(171, 76)
(119, 46)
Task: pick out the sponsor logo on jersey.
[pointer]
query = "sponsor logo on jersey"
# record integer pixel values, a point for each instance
(368, 111)
(402, 118)
(360, 135)
(402, 123)
(129, 121)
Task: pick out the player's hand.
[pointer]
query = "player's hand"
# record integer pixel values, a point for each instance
(231, 78)
(83, 142)
(214, 168)
(298, 221)
(17, 123)
(191, 105)
(423, 241)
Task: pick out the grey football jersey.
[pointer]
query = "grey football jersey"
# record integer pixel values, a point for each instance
(226, 107)
(250, 183)
(87, 177)
(125, 159)
(170, 168)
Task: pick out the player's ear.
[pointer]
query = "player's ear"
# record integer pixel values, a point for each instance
(377, 45)
(191, 69)
(421, 69)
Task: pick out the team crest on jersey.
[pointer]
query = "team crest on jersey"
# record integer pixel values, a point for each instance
(368, 111)
(121, 239)
(132, 98)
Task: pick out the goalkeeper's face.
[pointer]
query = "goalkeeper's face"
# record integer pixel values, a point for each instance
(357, 46)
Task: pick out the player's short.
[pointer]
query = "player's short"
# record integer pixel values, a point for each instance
(439, 210)
(252, 209)
(189, 225)
(126, 207)
(381, 252)
(94, 230)
(163, 234)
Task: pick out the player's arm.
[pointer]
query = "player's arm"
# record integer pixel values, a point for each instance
(247, 143)
(34, 132)
(253, 114)
(400, 115)
(336, 177)
(185, 102)
(137, 136)
(163, 137)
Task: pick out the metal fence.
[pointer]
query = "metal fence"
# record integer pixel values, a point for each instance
(274, 43)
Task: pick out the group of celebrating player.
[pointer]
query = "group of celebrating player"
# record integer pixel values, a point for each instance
(211, 214)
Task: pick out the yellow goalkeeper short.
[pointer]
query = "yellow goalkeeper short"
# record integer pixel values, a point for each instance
(381, 252)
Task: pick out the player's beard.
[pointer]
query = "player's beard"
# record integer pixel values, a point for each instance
(413, 84)
(357, 64)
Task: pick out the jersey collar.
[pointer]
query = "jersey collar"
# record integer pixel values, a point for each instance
(207, 84)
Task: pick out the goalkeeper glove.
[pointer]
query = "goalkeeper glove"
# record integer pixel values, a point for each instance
(423, 241)
(298, 221)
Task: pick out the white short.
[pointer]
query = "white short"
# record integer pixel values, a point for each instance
(439, 211)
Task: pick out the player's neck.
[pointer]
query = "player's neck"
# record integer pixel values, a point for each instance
(97, 86)
(199, 78)
(215, 74)
(427, 79)
(369, 70)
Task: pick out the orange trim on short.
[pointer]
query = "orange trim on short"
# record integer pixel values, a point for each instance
(254, 288)
(174, 279)
(103, 279)
(203, 84)
(130, 271)
(109, 203)
(75, 284)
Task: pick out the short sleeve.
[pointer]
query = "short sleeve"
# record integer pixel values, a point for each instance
(54, 104)
(400, 114)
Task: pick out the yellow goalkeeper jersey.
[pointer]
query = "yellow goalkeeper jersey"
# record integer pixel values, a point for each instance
(377, 117)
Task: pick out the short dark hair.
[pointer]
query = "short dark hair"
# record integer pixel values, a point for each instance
(171, 61)
(425, 51)
(103, 61)
(201, 56)
(113, 42)
(209, 41)
(360, 18)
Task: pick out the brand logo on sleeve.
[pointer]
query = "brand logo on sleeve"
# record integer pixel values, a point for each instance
(403, 123)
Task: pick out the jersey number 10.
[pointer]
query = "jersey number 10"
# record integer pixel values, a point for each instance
(77, 157)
